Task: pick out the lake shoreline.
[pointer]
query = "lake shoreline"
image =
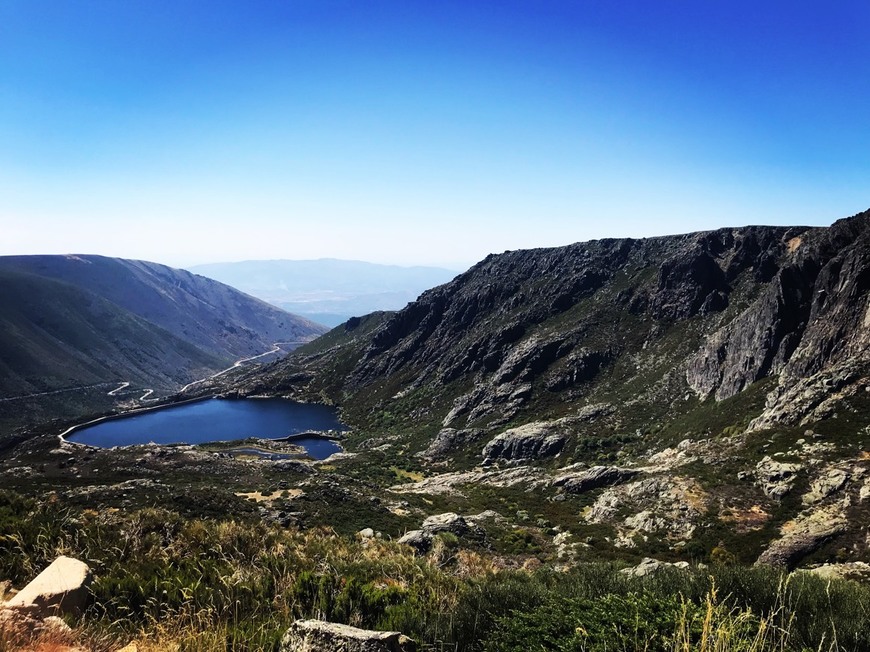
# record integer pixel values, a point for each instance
(212, 420)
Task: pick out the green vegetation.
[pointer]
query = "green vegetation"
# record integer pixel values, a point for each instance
(218, 584)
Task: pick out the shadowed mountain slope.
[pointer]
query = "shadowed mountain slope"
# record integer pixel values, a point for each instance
(74, 321)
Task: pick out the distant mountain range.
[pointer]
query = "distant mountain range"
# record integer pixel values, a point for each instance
(71, 326)
(328, 291)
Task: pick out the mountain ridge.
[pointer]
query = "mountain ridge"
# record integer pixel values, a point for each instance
(670, 383)
(77, 321)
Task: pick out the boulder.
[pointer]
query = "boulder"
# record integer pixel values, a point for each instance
(650, 566)
(803, 536)
(776, 478)
(60, 588)
(828, 482)
(593, 478)
(421, 540)
(530, 441)
(418, 540)
(447, 522)
(322, 636)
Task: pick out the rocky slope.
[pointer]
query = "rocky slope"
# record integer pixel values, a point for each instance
(706, 313)
(705, 352)
(77, 324)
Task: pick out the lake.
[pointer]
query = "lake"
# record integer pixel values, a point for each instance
(218, 420)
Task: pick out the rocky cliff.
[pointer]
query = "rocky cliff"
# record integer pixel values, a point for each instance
(717, 380)
(640, 321)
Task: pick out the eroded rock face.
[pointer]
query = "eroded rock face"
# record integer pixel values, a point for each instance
(776, 478)
(322, 636)
(827, 483)
(594, 478)
(60, 588)
(803, 535)
(524, 330)
(670, 507)
(448, 441)
(421, 540)
(531, 441)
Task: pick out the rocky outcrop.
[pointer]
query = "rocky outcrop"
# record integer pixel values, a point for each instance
(668, 507)
(322, 636)
(650, 566)
(804, 535)
(776, 478)
(421, 540)
(594, 478)
(529, 442)
(60, 588)
(828, 482)
(854, 570)
(451, 483)
(448, 441)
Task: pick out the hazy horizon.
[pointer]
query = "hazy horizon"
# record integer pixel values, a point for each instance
(416, 134)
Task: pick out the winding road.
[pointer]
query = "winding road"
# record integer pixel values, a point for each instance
(147, 391)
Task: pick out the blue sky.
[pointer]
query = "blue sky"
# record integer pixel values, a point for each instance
(421, 132)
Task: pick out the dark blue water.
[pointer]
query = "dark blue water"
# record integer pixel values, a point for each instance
(218, 420)
(316, 447)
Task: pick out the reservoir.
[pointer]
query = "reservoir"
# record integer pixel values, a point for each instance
(218, 420)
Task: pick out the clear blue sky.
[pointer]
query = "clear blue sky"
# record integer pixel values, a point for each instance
(422, 132)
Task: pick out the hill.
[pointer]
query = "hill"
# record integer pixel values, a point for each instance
(74, 327)
(695, 391)
(328, 291)
(582, 445)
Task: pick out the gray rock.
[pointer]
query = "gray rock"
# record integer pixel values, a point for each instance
(593, 478)
(829, 482)
(650, 566)
(447, 522)
(421, 540)
(366, 533)
(802, 536)
(776, 478)
(322, 636)
(60, 588)
(855, 570)
(530, 441)
(447, 441)
(418, 539)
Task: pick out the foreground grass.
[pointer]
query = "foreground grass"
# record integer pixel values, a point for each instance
(172, 583)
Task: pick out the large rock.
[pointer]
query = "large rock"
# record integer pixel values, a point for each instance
(828, 482)
(804, 535)
(593, 478)
(447, 442)
(530, 441)
(776, 478)
(60, 588)
(421, 540)
(418, 540)
(447, 522)
(321, 636)
(650, 566)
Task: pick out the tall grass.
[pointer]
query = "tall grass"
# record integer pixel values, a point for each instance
(173, 583)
